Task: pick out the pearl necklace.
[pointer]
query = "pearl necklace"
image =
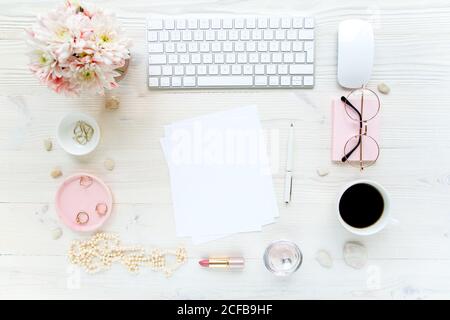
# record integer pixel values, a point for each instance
(98, 253)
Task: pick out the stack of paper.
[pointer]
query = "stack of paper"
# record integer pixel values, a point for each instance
(220, 175)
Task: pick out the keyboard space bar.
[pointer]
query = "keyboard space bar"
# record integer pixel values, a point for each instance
(225, 81)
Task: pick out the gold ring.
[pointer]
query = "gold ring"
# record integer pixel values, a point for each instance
(82, 218)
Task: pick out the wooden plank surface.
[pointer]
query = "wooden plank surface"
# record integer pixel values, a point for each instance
(409, 260)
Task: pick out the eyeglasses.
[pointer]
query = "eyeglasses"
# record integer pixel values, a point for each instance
(361, 105)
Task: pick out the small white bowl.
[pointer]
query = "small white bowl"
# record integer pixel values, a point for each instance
(65, 134)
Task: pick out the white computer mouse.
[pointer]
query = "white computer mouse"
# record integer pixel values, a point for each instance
(355, 53)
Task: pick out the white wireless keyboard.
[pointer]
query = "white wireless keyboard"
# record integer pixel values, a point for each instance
(230, 52)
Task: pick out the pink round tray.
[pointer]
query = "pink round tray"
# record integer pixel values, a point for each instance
(83, 193)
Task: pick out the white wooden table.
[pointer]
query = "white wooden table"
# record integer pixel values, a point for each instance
(408, 260)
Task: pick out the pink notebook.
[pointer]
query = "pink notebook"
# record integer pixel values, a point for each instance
(344, 128)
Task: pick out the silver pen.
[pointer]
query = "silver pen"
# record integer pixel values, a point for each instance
(289, 166)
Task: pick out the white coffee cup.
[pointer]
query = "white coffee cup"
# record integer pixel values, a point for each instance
(380, 223)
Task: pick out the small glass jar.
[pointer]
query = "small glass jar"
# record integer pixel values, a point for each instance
(283, 257)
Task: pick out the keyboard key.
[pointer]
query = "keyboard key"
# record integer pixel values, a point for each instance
(230, 58)
(219, 58)
(184, 58)
(242, 58)
(198, 35)
(155, 47)
(181, 24)
(297, 80)
(190, 70)
(227, 23)
(291, 34)
(216, 47)
(181, 47)
(248, 69)
(167, 70)
(224, 69)
(164, 36)
(236, 69)
(268, 34)
(288, 58)
(274, 80)
(222, 35)
(257, 34)
(297, 22)
(153, 82)
(300, 57)
(225, 81)
(274, 23)
(301, 69)
(169, 24)
(265, 57)
(233, 35)
(204, 47)
(165, 82)
(189, 81)
(297, 46)
(196, 58)
(216, 24)
(227, 46)
(306, 34)
(285, 81)
(245, 34)
(207, 58)
(204, 23)
(186, 35)
(210, 35)
(239, 46)
(213, 69)
(285, 46)
(253, 58)
(157, 59)
(179, 70)
(152, 36)
(262, 23)
(192, 24)
(193, 47)
(173, 58)
(282, 69)
(277, 57)
(308, 81)
(250, 46)
(155, 24)
(271, 69)
(310, 56)
(176, 81)
(274, 46)
(202, 69)
(154, 70)
(175, 35)
(309, 23)
(280, 34)
(239, 23)
(259, 69)
(251, 23)
(262, 46)
(169, 47)
(285, 23)
(260, 80)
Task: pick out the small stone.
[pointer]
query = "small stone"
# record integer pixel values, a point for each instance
(323, 171)
(112, 103)
(384, 88)
(48, 145)
(56, 173)
(355, 254)
(324, 259)
(109, 164)
(57, 233)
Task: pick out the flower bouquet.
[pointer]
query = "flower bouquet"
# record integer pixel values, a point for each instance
(78, 48)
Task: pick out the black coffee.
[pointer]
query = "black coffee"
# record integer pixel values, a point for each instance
(361, 205)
